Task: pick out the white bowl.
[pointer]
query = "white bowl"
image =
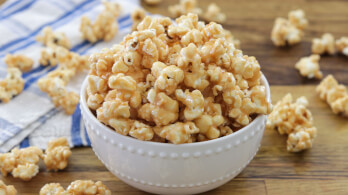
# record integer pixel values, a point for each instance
(164, 168)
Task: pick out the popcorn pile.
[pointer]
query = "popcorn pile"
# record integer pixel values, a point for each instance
(289, 31)
(105, 27)
(56, 38)
(325, 44)
(54, 83)
(12, 85)
(183, 83)
(23, 163)
(295, 120)
(334, 94)
(137, 16)
(342, 45)
(309, 67)
(7, 190)
(76, 187)
(22, 62)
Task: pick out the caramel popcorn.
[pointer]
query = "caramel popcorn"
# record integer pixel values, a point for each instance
(105, 27)
(22, 62)
(22, 163)
(309, 67)
(184, 7)
(53, 189)
(12, 85)
(334, 94)
(342, 45)
(88, 187)
(137, 16)
(289, 31)
(153, 2)
(57, 154)
(295, 120)
(325, 44)
(176, 82)
(214, 14)
(50, 37)
(77, 187)
(54, 83)
(7, 190)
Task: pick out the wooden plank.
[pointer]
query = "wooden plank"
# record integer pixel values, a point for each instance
(322, 169)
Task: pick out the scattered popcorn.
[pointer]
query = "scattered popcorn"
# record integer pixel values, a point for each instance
(214, 14)
(22, 62)
(342, 45)
(57, 154)
(309, 67)
(88, 187)
(105, 27)
(153, 2)
(184, 7)
(325, 44)
(7, 190)
(50, 37)
(78, 187)
(22, 163)
(177, 82)
(53, 189)
(294, 119)
(334, 94)
(137, 16)
(12, 85)
(54, 83)
(289, 31)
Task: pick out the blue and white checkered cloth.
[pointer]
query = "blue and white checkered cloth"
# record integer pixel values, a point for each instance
(30, 118)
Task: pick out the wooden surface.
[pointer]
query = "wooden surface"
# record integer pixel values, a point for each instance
(320, 170)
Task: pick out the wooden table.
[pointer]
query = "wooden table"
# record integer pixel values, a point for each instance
(320, 170)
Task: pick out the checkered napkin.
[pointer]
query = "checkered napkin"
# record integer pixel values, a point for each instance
(30, 118)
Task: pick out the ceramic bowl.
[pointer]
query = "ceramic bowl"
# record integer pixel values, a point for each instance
(164, 168)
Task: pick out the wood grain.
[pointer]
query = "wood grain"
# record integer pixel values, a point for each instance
(251, 21)
(320, 170)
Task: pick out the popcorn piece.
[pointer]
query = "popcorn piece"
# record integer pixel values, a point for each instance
(334, 94)
(88, 187)
(295, 120)
(153, 2)
(309, 67)
(52, 54)
(137, 16)
(25, 172)
(301, 138)
(8, 162)
(284, 33)
(298, 19)
(184, 7)
(177, 133)
(7, 190)
(141, 131)
(22, 62)
(57, 38)
(159, 77)
(342, 45)
(104, 27)
(57, 154)
(53, 189)
(325, 44)
(12, 85)
(194, 102)
(214, 14)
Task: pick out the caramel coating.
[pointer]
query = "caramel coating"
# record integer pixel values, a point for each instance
(22, 62)
(7, 189)
(50, 37)
(12, 85)
(57, 154)
(325, 44)
(309, 67)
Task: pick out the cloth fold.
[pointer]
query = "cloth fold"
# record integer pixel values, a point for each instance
(30, 117)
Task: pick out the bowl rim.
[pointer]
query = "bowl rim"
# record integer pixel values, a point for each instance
(89, 114)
